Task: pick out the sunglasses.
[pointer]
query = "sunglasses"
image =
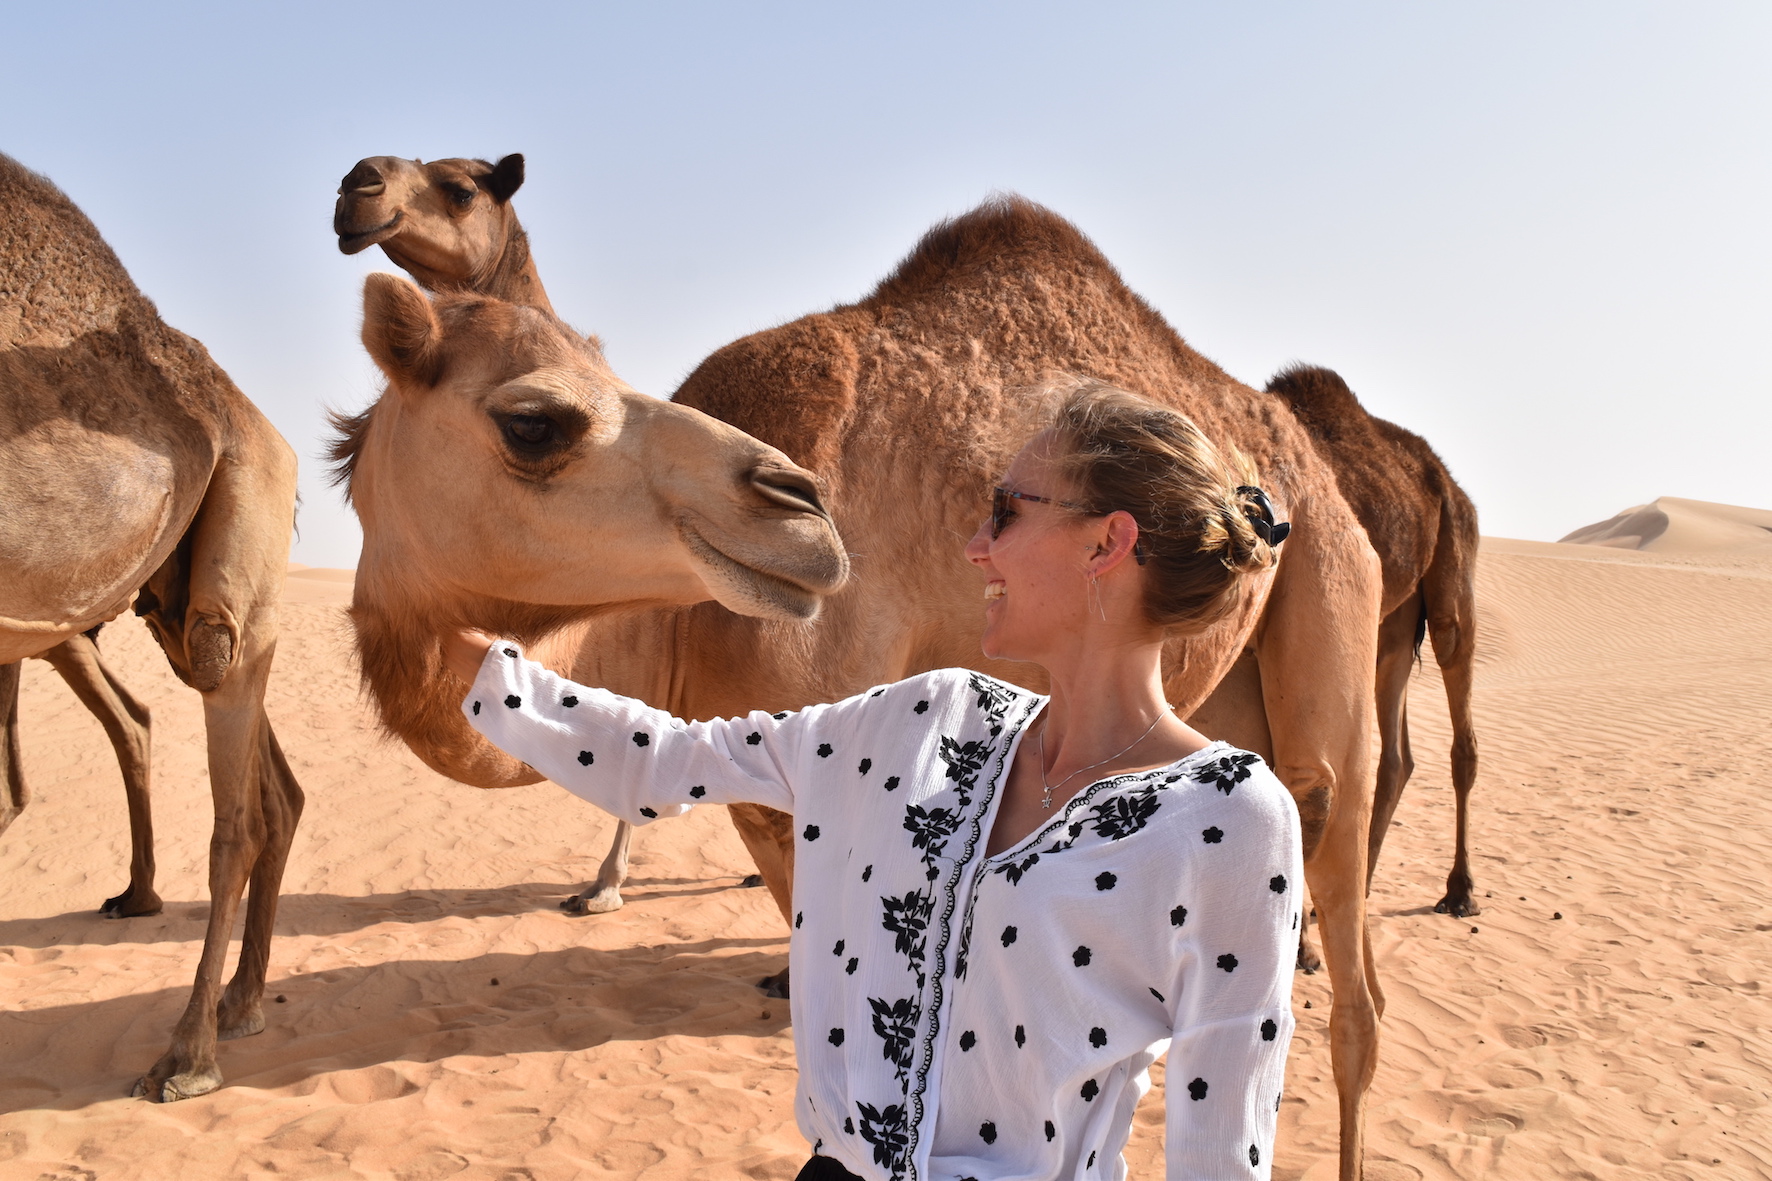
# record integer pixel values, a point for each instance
(1002, 512)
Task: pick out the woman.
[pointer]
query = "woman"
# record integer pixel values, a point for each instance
(1008, 905)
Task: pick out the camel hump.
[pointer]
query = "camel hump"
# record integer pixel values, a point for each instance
(58, 278)
(1006, 230)
(792, 387)
(1321, 400)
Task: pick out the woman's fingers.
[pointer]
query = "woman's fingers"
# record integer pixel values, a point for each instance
(463, 652)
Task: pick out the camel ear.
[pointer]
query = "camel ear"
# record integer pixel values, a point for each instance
(506, 178)
(401, 331)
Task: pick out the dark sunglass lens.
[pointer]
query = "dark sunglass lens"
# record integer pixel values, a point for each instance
(999, 512)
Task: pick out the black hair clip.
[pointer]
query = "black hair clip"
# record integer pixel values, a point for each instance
(1269, 530)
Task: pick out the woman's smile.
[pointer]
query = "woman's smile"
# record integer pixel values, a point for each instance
(995, 589)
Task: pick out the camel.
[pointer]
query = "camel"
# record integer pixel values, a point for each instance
(907, 405)
(450, 225)
(131, 468)
(1424, 530)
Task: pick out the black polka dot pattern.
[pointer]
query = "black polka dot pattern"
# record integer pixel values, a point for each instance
(780, 717)
(799, 917)
(1277, 883)
(476, 709)
(921, 707)
(1021, 1037)
(1080, 957)
(1178, 916)
(1196, 1090)
(987, 1132)
(892, 783)
(1098, 1037)
(866, 765)
(838, 950)
(968, 1040)
(698, 791)
(1050, 1131)
(641, 738)
(1008, 936)
(1090, 1090)
(835, 1037)
(649, 813)
(1254, 1156)
(824, 750)
(1269, 1030)
(867, 873)
(569, 701)
(586, 758)
(1212, 835)
(1228, 962)
(811, 832)
(1106, 881)
(849, 968)
(753, 738)
(513, 702)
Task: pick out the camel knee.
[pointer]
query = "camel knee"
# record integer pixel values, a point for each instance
(210, 647)
(1312, 787)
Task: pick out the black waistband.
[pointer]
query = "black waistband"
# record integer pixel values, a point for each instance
(823, 1168)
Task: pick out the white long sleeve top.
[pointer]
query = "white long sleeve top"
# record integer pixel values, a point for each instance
(961, 1016)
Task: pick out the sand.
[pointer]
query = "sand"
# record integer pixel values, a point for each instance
(440, 1017)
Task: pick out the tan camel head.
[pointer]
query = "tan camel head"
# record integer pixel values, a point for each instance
(507, 471)
(449, 223)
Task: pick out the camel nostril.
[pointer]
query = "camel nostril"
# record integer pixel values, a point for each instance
(788, 488)
(364, 180)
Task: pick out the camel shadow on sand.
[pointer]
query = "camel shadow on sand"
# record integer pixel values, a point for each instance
(337, 914)
(67, 1057)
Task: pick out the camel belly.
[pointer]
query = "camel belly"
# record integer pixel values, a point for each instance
(85, 517)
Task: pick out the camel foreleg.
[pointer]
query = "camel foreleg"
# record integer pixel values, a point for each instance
(128, 725)
(13, 793)
(604, 894)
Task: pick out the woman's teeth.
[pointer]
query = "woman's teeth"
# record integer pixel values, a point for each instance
(995, 590)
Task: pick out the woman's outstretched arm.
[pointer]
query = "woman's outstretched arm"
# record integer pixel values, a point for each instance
(633, 761)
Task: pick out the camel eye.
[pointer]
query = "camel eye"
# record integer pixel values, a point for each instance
(530, 432)
(460, 196)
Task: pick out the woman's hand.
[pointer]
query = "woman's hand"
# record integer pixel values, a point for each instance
(464, 651)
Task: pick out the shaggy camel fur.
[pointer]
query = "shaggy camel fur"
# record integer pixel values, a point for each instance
(908, 405)
(1424, 529)
(131, 467)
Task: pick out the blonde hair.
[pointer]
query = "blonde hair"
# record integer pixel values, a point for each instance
(1195, 504)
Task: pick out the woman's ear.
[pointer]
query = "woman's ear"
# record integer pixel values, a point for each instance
(1114, 544)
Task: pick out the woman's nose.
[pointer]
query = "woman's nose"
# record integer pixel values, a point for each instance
(978, 550)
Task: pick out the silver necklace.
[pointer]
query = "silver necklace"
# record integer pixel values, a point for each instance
(1049, 788)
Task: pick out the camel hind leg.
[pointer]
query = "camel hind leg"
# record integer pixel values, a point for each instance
(604, 894)
(1398, 637)
(1449, 589)
(127, 724)
(222, 641)
(14, 795)
(1460, 898)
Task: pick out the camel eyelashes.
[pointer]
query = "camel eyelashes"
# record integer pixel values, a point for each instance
(461, 196)
(530, 430)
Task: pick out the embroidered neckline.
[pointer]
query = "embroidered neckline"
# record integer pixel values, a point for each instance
(974, 835)
(1087, 795)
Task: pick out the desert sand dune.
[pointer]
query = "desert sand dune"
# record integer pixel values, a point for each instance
(1623, 705)
(1675, 526)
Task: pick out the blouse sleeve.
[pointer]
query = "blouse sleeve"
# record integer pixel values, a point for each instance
(633, 761)
(1231, 999)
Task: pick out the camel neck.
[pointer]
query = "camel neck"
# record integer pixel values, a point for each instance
(513, 276)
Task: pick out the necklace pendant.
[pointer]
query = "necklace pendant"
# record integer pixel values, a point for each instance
(1046, 802)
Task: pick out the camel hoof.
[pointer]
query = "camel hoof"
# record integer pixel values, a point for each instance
(1458, 908)
(776, 985)
(126, 905)
(1308, 959)
(186, 1085)
(227, 1030)
(751, 882)
(597, 902)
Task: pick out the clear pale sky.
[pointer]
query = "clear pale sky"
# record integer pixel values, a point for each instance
(1539, 235)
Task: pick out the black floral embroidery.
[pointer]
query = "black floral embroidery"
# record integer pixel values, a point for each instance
(511, 652)
(1226, 773)
(1014, 870)
(968, 1040)
(569, 701)
(1105, 881)
(892, 783)
(849, 1125)
(640, 739)
(987, 1132)
(512, 701)
(1009, 934)
(930, 828)
(1159, 997)
(920, 707)
(835, 1037)
(1091, 1089)
(1080, 957)
(753, 738)
(1212, 835)
(1277, 883)
(1269, 1030)
(1050, 1131)
(867, 873)
(476, 709)
(811, 832)
(895, 1024)
(865, 765)
(586, 758)
(780, 717)
(888, 1132)
(1121, 816)
(838, 950)
(649, 813)
(1197, 1089)
(907, 918)
(1098, 1037)
(824, 750)
(1254, 1156)
(994, 698)
(964, 759)
(1178, 916)
(698, 791)
(1228, 962)
(849, 968)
